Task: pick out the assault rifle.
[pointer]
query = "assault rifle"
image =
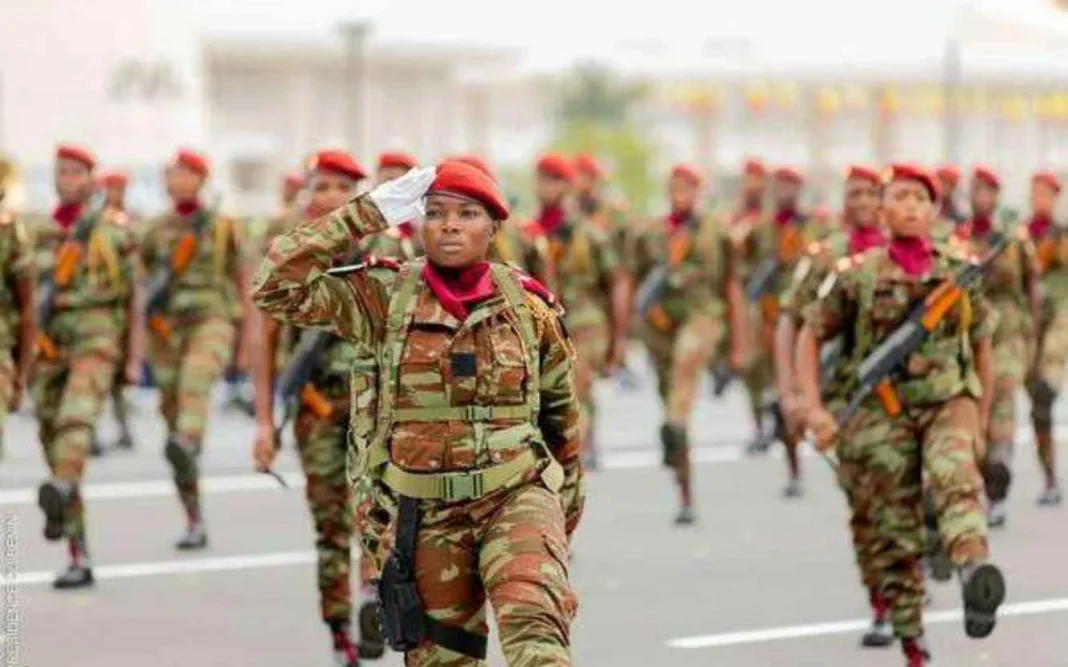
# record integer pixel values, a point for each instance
(68, 256)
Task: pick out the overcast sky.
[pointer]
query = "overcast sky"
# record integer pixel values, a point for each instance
(566, 29)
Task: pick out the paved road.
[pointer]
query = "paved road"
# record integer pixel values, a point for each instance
(759, 581)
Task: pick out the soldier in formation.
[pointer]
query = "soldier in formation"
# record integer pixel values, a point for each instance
(472, 423)
(17, 321)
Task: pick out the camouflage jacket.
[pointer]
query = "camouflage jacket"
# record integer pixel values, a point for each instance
(1006, 282)
(16, 265)
(742, 226)
(1051, 263)
(818, 260)
(700, 259)
(454, 405)
(208, 287)
(786, 243)
(865, 301)
(577, 262)
(507, 246)
(391, 244)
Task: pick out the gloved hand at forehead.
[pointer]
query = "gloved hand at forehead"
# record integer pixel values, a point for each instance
(402, 199)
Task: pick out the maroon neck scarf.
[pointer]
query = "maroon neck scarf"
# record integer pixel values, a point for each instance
(785, 216)
(863, 238)
(1040, 226)
(981, 225)
(184, 208)
(914, 254)
(406, 229)
(551, 218)
(66, 215)
(458, 290)
(679, 218)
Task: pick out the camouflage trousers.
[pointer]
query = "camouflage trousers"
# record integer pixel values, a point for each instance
(7, 389)
(322, 443)
(856, 483)
(891, 456)
(70, 393)
(1010, 362)
(591, 350)
(509, 546)
(186, 368)
(1050, 360)
(681, 358)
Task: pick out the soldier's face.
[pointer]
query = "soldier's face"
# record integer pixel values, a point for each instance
(786, 193)
(74, 181)
(183, 184)
(456, 232)
(753, 186)
(683, 194)
(984, 198)
(907, 208)
(550, 189)
(861, 202)
(585, 184)
(115, 195)
(330, 191)
(1043, 199)
(389, 173)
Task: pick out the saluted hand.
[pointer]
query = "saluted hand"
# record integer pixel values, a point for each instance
(401, 200)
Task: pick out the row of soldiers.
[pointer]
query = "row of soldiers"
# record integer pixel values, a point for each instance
(690, 285)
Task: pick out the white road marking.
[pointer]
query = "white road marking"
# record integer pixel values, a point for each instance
(1032, 608)
(171, 567)
(160, 487)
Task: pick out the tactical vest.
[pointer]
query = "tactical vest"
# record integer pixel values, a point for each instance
(375, 376)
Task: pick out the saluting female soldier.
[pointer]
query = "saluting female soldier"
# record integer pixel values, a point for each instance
(472, 416)
(933, 428)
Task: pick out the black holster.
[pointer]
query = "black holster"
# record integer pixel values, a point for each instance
(405, 624)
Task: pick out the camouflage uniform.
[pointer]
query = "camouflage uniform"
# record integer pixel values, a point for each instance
(87, 327)
(936, 434)
(578, 263)
(16, 266)
(1006, 284)
(445, 427)
(1051, 355)
(683, 328)
(201, 310)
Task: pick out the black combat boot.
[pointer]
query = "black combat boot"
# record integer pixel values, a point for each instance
(881, 633)
(983, 587)
(53, 496)
(372, 645)
(79, 574)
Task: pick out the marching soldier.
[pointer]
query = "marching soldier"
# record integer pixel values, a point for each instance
(192, 329)
(1011, 288)
(575, 259)
(86, 303)
(470, 427)
(114, 185)
(686, 267)
(1046, 375)
(861, 232)
(930, 420)
(593, 204)
(17, 327)
(949, 179)
(782, 243)
(321, 427)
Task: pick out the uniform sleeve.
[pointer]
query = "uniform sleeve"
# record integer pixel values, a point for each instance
(23, 262)
(293, 283)
(149, 245)
(558, 418)
(828, 314)
(983, 316)
(607, 258)
(803, 286)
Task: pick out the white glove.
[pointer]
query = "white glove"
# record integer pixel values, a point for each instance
(401, 200)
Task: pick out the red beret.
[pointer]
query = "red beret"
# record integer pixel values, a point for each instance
(460, 178)
(114, 179)
(948, 173)
(1049, 178)
(587, 164)
(192, 161)
(475, 161)
(339, 162)
(556, 165)
(985, 174)
(76, 153)
(862, 172)
(903, 171)
(397, 159)
(294, 179)
(755, 167)
(687, 173)
(790, 175)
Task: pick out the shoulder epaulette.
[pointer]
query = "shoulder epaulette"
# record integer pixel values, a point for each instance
(370, 263)
(530, 284)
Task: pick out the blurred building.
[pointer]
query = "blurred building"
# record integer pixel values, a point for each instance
(134, 79)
